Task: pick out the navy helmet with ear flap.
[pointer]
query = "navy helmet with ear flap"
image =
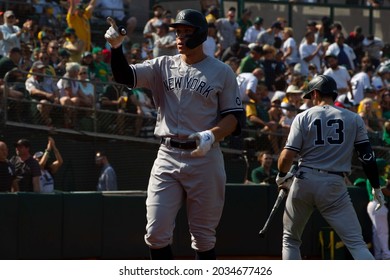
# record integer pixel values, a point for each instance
(195, 19)
(324, 84)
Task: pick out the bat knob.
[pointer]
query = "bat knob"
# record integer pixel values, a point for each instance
(122, 30)
(262, 233)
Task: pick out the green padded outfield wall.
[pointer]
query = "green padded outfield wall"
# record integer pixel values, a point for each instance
(92, 225)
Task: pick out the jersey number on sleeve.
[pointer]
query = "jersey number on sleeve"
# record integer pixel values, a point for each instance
(337, 125)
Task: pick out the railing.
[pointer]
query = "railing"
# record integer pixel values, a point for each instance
(107, 125)
(96, 119)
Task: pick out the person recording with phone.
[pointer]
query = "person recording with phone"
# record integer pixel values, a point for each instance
(48, 168)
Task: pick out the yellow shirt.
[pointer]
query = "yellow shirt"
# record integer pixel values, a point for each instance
(82, 27)
(250, 109)
(375, 108)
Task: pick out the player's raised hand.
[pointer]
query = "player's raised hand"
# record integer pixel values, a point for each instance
(114, 34)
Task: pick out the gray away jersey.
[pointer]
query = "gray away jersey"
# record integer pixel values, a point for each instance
(188, 98)
(324, 137)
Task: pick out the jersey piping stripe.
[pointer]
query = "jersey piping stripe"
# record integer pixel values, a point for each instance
(134, 76)
(232, 110)
(292, 148)
(362, 141)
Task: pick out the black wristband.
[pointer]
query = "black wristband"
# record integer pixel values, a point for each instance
(282, 174)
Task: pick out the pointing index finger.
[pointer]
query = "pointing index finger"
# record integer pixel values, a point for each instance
(111, 22)
(121, 29)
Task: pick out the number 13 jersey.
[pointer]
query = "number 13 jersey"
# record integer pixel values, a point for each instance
(324, 136)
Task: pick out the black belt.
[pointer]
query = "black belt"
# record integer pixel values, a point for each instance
(180, 144)
(325, 171)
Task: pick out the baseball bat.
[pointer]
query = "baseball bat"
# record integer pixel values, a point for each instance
(282, 194)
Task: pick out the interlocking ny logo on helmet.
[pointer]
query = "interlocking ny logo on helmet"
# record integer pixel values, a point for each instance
(195, 19)
(180, 16)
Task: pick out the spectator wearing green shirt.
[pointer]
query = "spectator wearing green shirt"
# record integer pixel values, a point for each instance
(252, 60)
(264, 173)
(102, 69)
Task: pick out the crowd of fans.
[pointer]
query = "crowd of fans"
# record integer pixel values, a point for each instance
(48, 57)
(65, 67)
(273, 67)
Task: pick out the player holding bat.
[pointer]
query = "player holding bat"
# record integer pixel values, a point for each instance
(324, 137)
(198, 104)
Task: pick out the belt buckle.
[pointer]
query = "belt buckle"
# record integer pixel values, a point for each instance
(166, 141)
(173, 143)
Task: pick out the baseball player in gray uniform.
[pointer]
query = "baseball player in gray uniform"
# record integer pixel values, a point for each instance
(324, 137)
(198, 104)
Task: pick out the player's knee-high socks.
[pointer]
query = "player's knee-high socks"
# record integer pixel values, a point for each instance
(164, 253)
(206, 255)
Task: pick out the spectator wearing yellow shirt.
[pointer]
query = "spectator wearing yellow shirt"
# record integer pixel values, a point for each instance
(73, 45)
(78, 17)
(370, 92)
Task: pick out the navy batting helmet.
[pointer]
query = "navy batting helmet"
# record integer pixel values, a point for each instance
(324, 84)
(195, 19)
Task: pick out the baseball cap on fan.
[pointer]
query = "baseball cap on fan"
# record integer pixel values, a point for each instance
(330, 54)
(8, 13)
(293, 89)
(23, 142)
(38, 65)
(277, 25)
(255, 48)
(258, 20)
(99, 155)
(86, 54)
(97, 50)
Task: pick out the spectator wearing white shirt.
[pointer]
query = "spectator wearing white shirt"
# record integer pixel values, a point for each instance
(69, 93)
(116, 10)
(339, 73)
(359, 82)
(247, 83)
(210, 46)
(373, 46)
(345, 54)
(310, 53)
(290, 48)
(252, 32)
(12, 34)
(87, 89)
(381, 79)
